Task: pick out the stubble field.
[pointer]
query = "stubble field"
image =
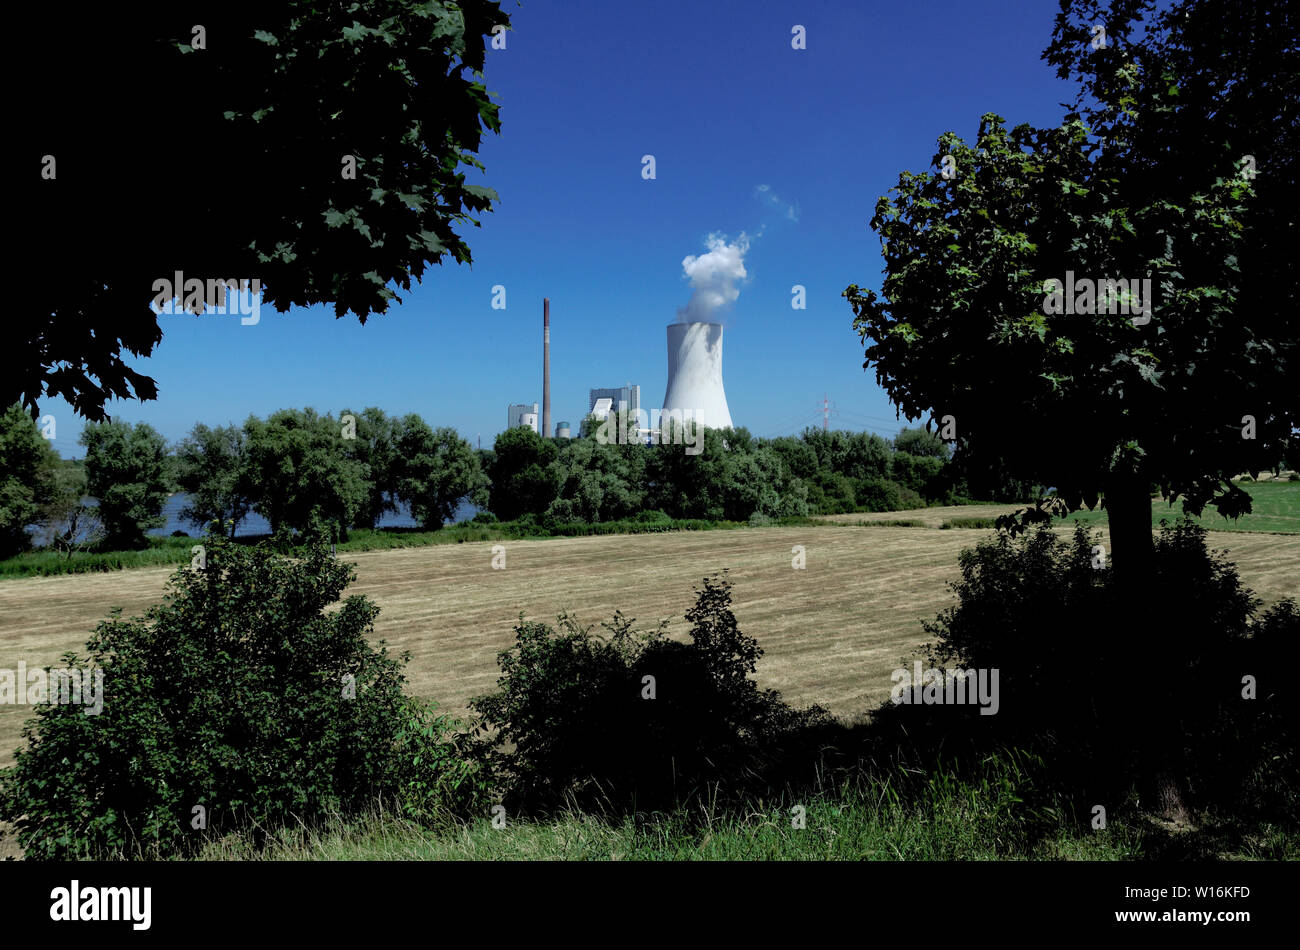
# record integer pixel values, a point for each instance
(832, 632)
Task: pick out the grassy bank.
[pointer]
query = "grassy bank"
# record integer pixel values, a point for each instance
(950, 820)
(1275, 509)
(172, 550)
(160, 552)
(178, 550)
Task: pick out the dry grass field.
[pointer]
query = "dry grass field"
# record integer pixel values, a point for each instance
(832, 632)
(931, 517)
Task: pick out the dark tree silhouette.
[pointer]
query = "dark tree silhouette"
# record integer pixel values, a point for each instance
(216, 140)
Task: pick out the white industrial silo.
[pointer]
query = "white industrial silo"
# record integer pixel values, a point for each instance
(695, 374)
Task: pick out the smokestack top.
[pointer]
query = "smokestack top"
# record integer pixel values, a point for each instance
(546, 367)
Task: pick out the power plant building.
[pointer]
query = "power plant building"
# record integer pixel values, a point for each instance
(522, 414)
(624, 397)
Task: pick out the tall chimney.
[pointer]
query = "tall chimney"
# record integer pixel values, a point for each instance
(546, 367)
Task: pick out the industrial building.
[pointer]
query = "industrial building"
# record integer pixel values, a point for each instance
(624, 397)
(694, 392)
(522, 414)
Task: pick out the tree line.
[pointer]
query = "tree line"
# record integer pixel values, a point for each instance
(295, 467)
(299, 466)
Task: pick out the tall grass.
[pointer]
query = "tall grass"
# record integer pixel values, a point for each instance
(160, 552)
(883, 818)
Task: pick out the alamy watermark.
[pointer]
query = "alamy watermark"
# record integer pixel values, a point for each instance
(932, 687)
(635, 426)
(1104, 295)
(75, 903)
(63, 687)
(209, 296)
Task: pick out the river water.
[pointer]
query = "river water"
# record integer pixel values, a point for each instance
(254, 524)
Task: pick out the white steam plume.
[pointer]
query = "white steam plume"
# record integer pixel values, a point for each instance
(714, 277)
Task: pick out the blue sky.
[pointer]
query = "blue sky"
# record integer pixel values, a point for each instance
(716, 93)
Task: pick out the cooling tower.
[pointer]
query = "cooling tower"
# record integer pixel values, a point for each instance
(695, 374)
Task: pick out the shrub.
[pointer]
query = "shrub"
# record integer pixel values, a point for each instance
(1075, 680)
(484, 517)
(562, 511)
(651, 517)
(243, 694)
(908, 499)
(633, 721)
(830, 493)
(877, 494)
(758, 519)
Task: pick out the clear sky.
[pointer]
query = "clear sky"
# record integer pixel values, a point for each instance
(790, 147)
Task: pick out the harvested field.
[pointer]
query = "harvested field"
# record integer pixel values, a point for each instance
(832, 632)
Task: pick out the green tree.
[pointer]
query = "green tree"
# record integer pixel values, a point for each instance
(251, 691)
(213, 470)
(852, 454)
(798, 456)
(29, 470)
(434, 470)
(599, 482)
(1187, 94)
(375, 448)
(524, 479)
(921, 473)
(126, 472)
(685, 485)
(302, 471)
(786, 495)
(1077, 393)
(1112, 404)
(70, 524)
(921, 443)
(589, 425)
(305, 88)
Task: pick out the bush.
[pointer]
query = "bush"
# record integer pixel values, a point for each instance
(908, 499)
(758, 519)
(969, 523)
(831, 494)
(877, 494)
(632, 721)
(484, 517)
(562, 511)
(242, 693)
(1091, 687)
